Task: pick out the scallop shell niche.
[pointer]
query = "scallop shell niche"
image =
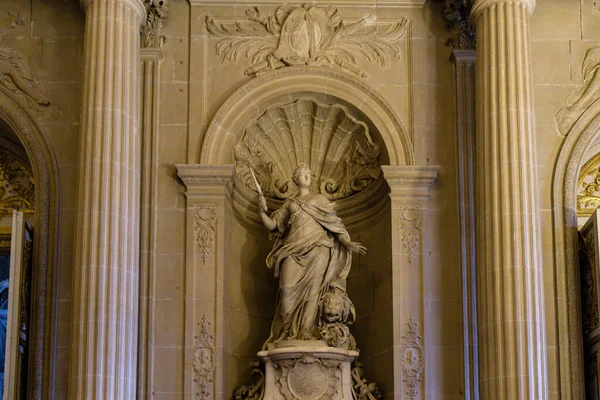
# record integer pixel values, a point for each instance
(343, 157)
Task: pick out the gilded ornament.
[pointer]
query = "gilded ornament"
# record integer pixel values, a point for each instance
(306, 35)
(17, 188)
(588, 195)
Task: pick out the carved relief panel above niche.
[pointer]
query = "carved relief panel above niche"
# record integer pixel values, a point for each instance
(368, 45)
(306, 35)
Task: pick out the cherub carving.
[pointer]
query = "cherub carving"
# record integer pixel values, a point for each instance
(13, 67)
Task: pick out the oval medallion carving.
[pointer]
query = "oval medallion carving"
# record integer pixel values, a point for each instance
(308, 381)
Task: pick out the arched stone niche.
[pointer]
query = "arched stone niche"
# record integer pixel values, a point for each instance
(250, 101)
(580, 139)
(45, 170)
(226, 276)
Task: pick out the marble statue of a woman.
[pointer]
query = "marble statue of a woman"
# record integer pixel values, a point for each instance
(311, 256)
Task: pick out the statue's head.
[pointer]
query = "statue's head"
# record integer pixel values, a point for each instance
(302, 175)
(335, 307)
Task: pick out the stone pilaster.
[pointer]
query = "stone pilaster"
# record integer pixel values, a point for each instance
(150, 69)
(410, 189)
(464, 69)
(207, 213)
(106, 275)
(512, 340)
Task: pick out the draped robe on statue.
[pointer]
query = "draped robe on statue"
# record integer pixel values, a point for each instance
(308, 258)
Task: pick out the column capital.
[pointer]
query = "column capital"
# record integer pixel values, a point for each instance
(137, 5)
(482, 5)
(409, 181)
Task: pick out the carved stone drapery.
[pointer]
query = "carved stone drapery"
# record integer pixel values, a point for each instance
(412, 358)
(306, 35)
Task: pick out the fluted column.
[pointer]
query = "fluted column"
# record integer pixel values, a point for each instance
(509, 282)
(106, 273)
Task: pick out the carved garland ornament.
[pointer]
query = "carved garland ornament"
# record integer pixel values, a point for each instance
(308, 377)
(410, 230)
(204, 359)
(412, 359)
(17, 188)
(205, 220)
(306, 35)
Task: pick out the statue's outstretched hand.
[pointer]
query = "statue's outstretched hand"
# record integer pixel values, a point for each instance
(262, 203)
(356, 247)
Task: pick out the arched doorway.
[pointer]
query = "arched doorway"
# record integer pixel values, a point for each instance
(29, 141)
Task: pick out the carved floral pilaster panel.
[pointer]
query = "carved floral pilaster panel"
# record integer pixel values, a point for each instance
(412, 358)
(306, 35)
(205, 223)
(204, 359)
(410, 230)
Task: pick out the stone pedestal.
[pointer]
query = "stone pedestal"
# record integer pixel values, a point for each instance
(307, 370)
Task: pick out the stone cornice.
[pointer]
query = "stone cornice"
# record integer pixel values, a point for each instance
(482, 5)
(200, 178)
(410, 182)
(137, 5)
(372, 3)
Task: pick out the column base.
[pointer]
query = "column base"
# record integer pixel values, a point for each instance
(307, 369)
